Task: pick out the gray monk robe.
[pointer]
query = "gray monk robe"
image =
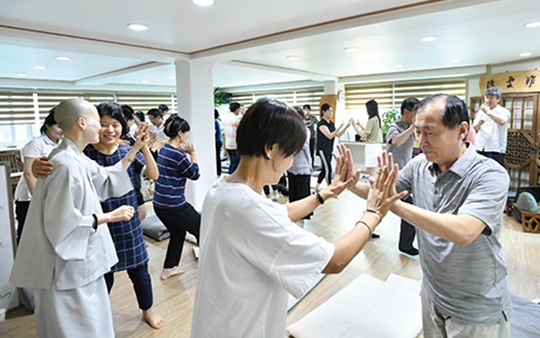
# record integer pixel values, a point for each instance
(60, 255)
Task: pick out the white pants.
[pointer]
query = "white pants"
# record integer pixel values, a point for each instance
(81, 312)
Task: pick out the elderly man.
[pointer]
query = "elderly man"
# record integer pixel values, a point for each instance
(459, 198)
(65, 250)
(400, 141)
(491, 125)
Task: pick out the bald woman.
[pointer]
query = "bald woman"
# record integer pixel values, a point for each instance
(65, 249)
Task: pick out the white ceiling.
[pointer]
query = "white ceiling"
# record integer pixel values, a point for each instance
(248, 41)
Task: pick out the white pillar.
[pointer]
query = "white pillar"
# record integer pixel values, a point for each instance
(330, 87)
(195, 92)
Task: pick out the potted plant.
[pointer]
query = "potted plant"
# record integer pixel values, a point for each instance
(387, 119)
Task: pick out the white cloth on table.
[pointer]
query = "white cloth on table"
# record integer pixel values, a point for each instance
(59, 249)
(252, 255)
(368, 307)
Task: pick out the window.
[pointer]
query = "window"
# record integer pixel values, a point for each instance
(389, 96)
(292, 97)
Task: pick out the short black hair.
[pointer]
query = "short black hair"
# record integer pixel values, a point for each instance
(216, 114)
(155, 112)
(128, 112)
(114, 111)
(140, 115)
(409, 104)
(234, 106)
(325, 107)
(307, 106)
(175, 124)
(49, 121)
(269, 122)
(455, 110)
(163, 107)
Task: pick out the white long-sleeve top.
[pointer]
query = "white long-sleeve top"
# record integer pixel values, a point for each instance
(58, 244)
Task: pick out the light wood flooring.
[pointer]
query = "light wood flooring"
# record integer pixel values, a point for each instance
(173, 298)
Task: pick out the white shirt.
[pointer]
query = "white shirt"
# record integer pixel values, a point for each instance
(491, 137)
(36, 148)
(159, 131)
(252, 256)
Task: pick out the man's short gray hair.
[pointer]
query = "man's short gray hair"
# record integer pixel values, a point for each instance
(495, 91)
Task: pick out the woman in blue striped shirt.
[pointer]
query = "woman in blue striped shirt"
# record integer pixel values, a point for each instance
(170, 204)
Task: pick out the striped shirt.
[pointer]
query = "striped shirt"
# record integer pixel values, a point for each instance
(174, 169)
(230, 124)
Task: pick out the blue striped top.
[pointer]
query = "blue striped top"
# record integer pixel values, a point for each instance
(174, 169)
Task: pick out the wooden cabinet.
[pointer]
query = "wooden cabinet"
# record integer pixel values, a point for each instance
(523, 142)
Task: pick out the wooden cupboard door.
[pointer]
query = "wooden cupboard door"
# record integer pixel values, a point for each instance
(521, 158)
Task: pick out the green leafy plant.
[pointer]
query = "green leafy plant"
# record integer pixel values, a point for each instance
(221, 98)
(388, 118)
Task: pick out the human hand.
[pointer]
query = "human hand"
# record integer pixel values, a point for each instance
(41, 167)
(344, 177)
(187, 147)
(142, 136)
(387, 160)
(123, 213)
(123, 142)
(379, 197)
(351, 170)
(484, 108)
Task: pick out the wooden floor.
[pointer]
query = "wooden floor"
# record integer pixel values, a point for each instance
(173, 298)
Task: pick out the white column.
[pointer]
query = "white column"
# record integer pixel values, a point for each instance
(330, 87)
(195, 92)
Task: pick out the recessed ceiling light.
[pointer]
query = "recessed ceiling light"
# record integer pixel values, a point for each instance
(203, 3)
(428, 38)
(350, 49)
(145, 81)
(239, 82)
(171, 77)
(533, 24)
(39, 67)
(292, 57)
(63, 58)
(138, 27)
(398, 66)
(455, 60)
(525, 54)
(22, 74)
(271, 80)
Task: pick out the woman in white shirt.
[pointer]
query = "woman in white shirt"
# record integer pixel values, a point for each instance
(252, 253)
(50, 138)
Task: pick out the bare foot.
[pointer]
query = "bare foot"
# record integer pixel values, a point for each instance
(168, 273)
(152, 319)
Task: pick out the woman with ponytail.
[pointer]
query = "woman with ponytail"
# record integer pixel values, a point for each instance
(170, 204)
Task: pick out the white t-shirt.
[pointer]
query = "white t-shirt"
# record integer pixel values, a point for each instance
(491, 137)
(159, 131)
(37, 148)
(252, 255)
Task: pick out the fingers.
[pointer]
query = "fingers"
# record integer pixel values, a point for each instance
(397, 197)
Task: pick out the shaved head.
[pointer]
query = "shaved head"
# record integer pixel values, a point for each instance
(68, 111)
